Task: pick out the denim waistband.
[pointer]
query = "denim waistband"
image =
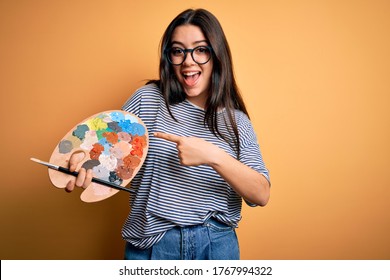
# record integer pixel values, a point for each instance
(211, 240)
(213, 221)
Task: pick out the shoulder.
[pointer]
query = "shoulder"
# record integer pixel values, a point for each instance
(149, 94)
(245, 128)
(242, 120)
(151, 91)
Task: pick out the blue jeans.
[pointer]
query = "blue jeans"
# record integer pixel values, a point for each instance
(212, 240)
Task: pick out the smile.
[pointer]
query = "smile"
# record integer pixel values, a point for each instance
(191, 78)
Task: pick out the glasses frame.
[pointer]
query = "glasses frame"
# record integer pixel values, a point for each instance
(167, 51)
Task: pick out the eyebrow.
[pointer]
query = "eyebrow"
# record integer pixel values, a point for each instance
(196, 42)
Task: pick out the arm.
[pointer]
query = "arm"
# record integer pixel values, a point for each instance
(248, 183)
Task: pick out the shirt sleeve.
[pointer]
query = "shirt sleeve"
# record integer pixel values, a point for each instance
(250, 152)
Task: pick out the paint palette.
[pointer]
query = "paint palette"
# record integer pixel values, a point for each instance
(114, 145)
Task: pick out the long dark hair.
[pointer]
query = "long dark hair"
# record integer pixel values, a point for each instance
(224, 92)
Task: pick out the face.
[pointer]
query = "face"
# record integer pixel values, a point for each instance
(195, 78)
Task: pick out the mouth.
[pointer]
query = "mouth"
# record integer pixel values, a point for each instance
(191, 78)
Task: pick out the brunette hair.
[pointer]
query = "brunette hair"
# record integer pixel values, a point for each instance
(224, 92)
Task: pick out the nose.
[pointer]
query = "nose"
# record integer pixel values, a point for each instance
(188, 60)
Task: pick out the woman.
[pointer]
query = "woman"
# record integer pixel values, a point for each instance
(203, 155)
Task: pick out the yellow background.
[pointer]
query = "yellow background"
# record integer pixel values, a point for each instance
(315, 78)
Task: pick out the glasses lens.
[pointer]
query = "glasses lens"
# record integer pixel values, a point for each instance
(176, 56)
(200, 55)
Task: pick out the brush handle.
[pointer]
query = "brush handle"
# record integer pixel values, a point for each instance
(94, 179)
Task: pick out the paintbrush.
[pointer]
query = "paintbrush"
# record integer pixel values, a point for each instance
(75, 173)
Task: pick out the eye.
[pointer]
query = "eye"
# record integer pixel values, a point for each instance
(202, 50)
(177, 51)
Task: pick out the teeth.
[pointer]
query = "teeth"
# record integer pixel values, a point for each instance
(190, 73)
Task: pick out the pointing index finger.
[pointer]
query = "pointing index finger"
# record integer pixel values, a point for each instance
(169, 137)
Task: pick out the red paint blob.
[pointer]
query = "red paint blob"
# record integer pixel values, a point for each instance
(96, 151)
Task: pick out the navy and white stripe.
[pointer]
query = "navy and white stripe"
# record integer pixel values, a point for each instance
(166, 194)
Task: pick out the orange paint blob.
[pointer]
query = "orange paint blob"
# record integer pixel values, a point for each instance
(96, 151)
(111, 137)
(124, 172)
(131, 161)
(138, 143)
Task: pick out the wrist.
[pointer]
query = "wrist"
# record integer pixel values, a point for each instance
(216, 157)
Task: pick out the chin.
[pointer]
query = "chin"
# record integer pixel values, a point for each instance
(191, 93)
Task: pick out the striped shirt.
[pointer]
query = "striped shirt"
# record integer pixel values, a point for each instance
(165, 194)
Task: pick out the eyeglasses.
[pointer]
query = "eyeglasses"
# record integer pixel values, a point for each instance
(200, 54)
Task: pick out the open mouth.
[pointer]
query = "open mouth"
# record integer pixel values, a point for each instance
(191, 78)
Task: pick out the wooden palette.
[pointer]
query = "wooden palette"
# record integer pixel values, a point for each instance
(114, 144)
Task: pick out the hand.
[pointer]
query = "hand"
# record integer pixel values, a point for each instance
(84, 179)
(192, 151)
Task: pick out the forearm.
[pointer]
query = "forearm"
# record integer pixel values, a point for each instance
(247, 182)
